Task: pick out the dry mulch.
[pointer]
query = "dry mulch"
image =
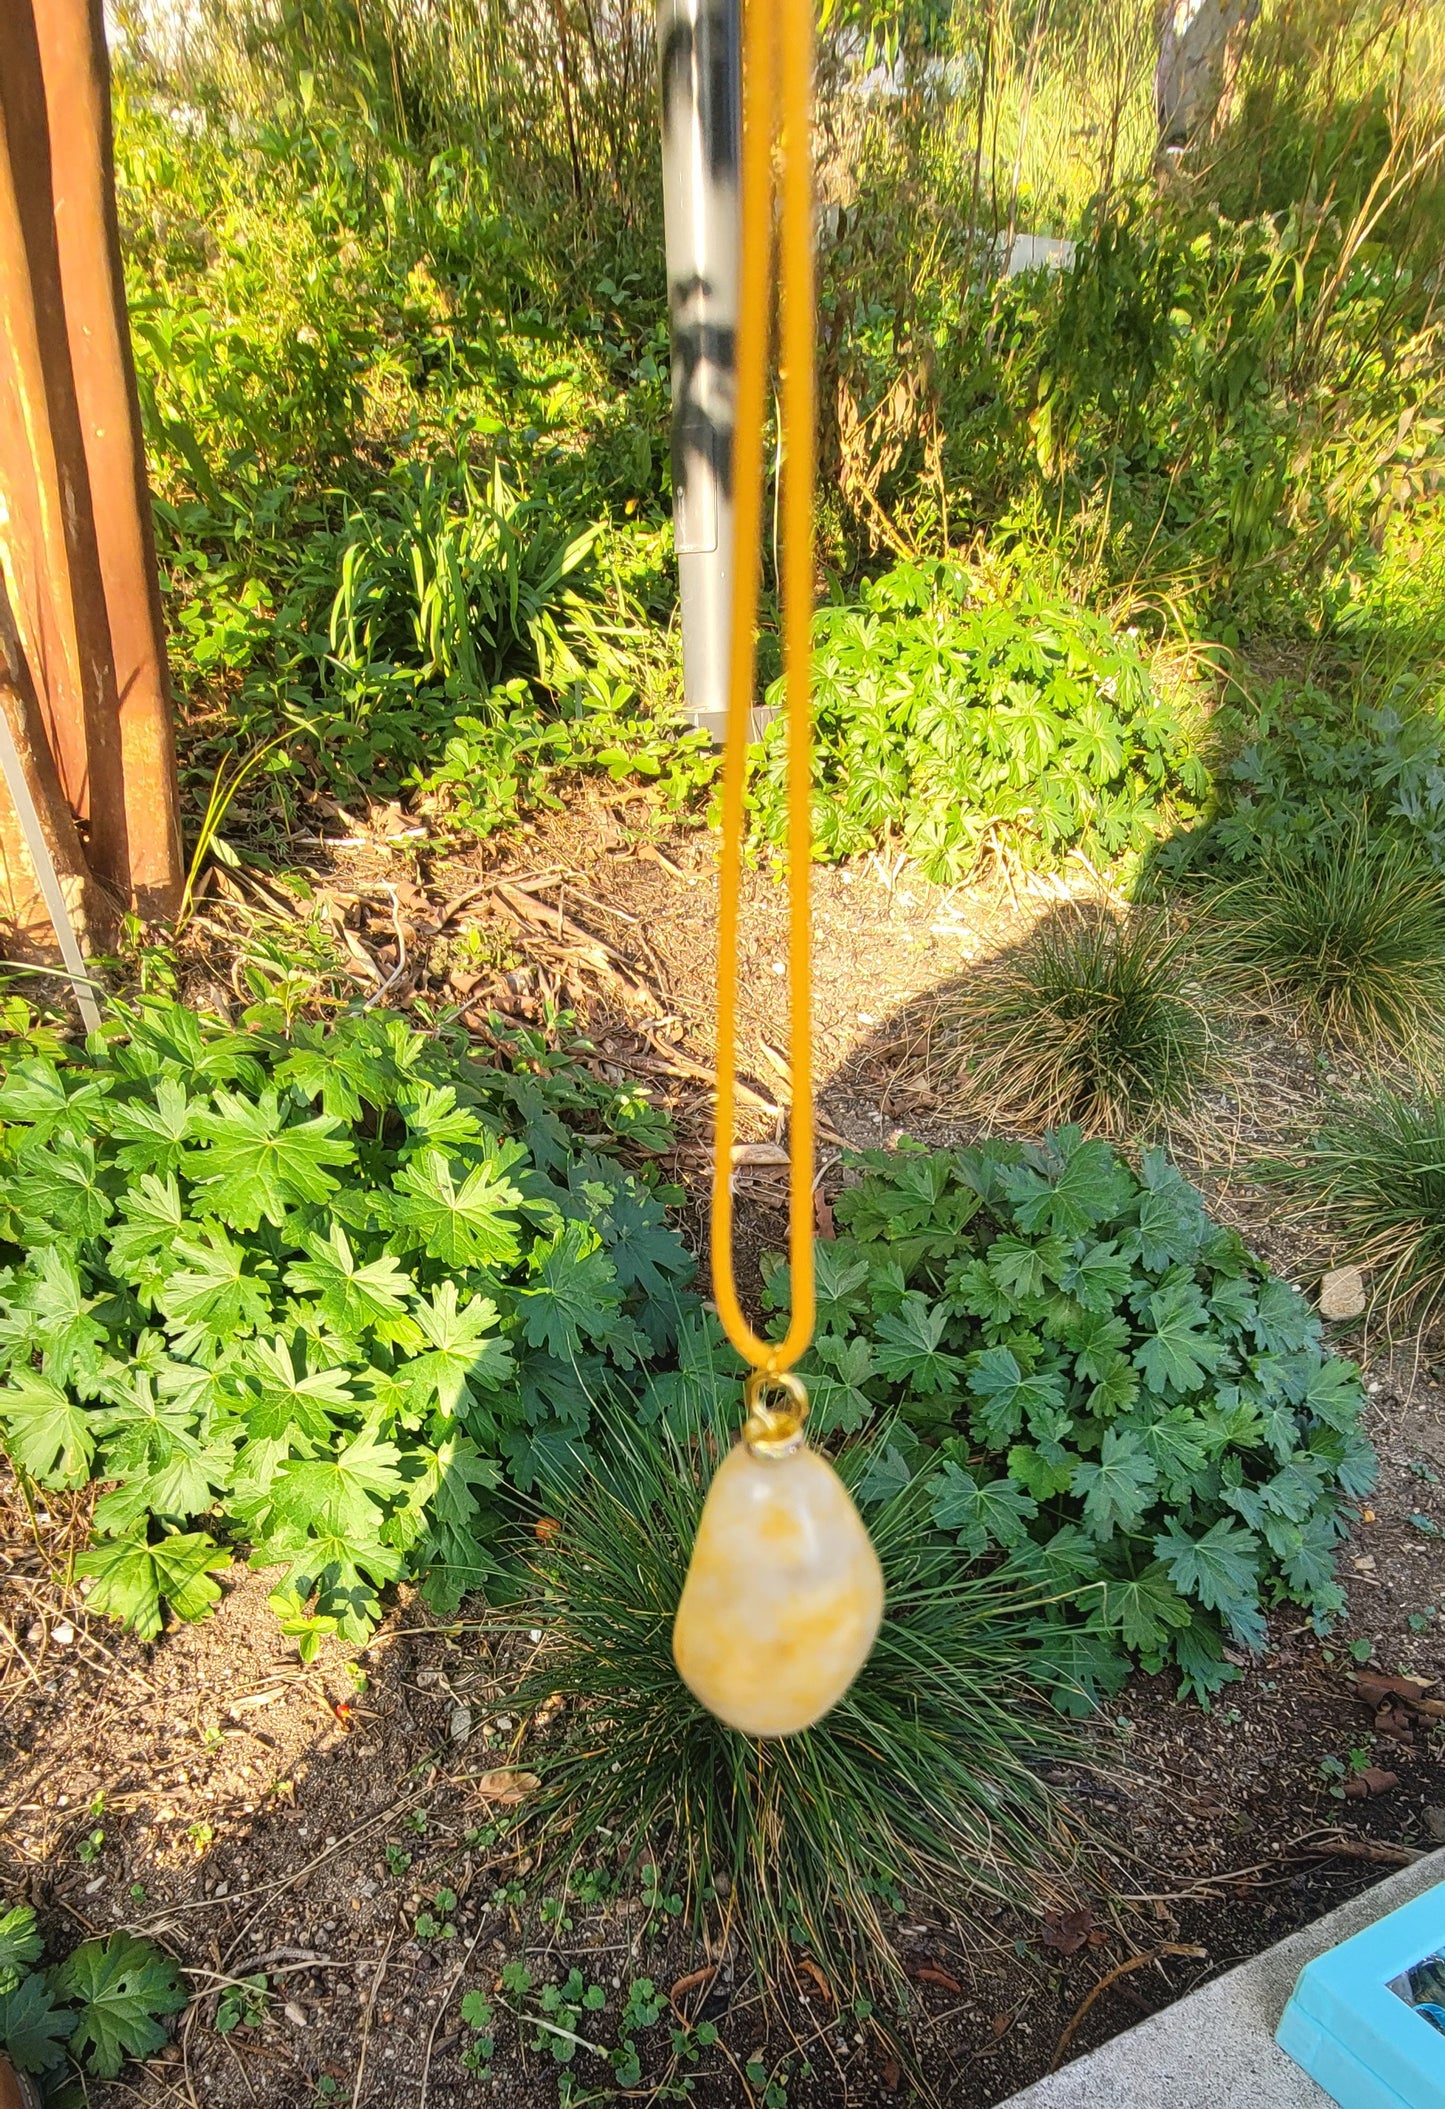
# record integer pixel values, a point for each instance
(248, 1802)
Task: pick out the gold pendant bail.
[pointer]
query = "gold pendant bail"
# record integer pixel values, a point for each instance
(774, 1431)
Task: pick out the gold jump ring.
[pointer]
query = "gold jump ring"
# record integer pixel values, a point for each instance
(774, 1431)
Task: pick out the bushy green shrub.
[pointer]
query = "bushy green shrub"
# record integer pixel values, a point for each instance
(1211, 413)
(1117, 1393)
(943, 725)
(1094, 1017)
(924, 1780)
(325, 1293)
(1374, 1170)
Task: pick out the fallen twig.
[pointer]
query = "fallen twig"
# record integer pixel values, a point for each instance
(1130, 1962)
(371, 1991)
(453, 1981)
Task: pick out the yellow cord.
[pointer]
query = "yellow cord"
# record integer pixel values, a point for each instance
(777, 61)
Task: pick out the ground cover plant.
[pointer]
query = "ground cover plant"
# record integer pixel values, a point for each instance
(1373, 1171)
(103, 2003)
(1095, 1017)
(925, 1780)
(324, 1295)
(1117, 1393)
(1305, 761)
(947, 724)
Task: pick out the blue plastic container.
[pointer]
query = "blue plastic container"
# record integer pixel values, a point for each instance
(1367, 2020)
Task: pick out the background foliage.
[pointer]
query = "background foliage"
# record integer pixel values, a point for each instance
(381, 255)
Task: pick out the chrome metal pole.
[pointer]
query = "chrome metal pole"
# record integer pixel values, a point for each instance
(700, 53)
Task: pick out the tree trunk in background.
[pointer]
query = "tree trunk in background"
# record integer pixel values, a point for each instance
(77, 88)
(1200, 46)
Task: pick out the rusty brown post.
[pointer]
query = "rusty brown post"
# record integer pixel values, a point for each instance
(48, 534)
(27, 928)
(76, 69)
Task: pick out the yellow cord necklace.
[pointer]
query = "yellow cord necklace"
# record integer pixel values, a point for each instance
(784, 1594)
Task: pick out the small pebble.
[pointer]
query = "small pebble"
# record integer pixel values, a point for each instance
(63, 1634)
(294, 2013)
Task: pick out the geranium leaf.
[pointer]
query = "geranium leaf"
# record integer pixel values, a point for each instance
(46, 1431)
(258, 1163)
(132, 1578)
(122, 1986)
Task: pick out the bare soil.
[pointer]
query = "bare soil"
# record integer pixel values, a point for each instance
(262, 1817)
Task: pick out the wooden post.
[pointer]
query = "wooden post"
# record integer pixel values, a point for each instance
(48, 531)
(77, 89)
(26, 925)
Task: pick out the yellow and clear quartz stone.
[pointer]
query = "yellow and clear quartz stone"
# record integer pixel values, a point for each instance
(783, 1598)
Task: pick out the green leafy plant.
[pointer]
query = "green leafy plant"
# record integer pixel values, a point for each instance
(325, 1292)
(1095, 1017)
(1314, 764)
(1351, 925)
(104, 2003)
(243, 2004)
(447, 578)
(557, 2027)
(477, 2015)
(1374, 1171)
(949, 726)
(1103, 1384)
(434, 1923)
(923, 1779)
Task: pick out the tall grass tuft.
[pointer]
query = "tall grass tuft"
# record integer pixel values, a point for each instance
(1351, 926)
(1375, 1170)
(922, 1783)
(1095, 1017)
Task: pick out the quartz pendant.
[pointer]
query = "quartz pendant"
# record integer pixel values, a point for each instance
(783, 1597)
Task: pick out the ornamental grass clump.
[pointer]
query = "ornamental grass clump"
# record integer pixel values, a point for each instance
(922, 1783)
(1350, 925)
(1096, 1017)
(1375, 1171)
